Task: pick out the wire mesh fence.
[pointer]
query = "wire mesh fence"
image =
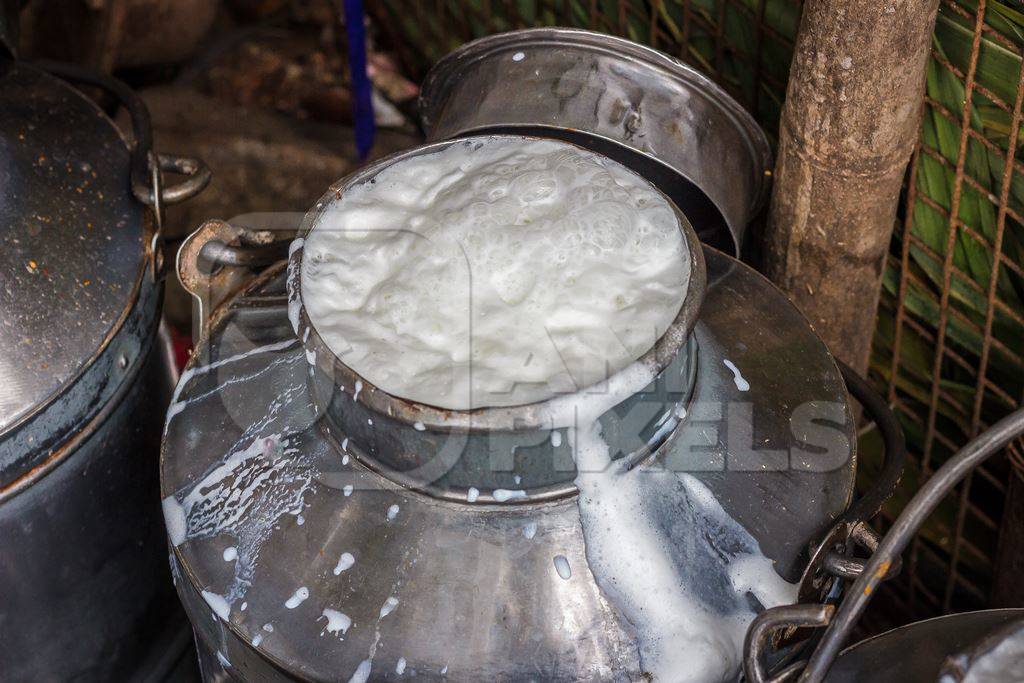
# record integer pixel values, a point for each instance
(745, 45)
(949, 345)
(950, 333)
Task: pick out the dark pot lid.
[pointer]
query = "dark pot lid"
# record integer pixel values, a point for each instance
(71, 238)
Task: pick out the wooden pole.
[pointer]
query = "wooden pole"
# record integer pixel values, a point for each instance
(848, 128)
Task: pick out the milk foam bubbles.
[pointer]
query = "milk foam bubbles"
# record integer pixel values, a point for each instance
(497, 271)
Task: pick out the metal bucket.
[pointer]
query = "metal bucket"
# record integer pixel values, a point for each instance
(641, 107)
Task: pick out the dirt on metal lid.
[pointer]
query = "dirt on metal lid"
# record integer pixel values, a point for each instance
(71, 241)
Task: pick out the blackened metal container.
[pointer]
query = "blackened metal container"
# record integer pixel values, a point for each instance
(84, 588)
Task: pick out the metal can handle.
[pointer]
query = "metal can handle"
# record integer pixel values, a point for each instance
(218, 259)
(831, 558)
(766, 626)
(197, 174)
(850, 568)
(888, 478)
(147, 167)
(142, 159)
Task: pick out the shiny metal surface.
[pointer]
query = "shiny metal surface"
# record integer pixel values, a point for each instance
(71, 250)
(395, 434)
(259, 470)
(915, 653)
(649, 111)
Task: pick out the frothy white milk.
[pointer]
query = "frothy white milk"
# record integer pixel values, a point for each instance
(497, 271)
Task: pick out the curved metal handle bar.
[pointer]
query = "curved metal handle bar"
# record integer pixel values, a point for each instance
(765, 625)
(247, 256)
(217, 259)
(207, 288)
(868, 505)
(198, 174)
(903, 529)
(829, 557)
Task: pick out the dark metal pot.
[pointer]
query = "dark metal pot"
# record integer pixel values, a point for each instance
(83, 384)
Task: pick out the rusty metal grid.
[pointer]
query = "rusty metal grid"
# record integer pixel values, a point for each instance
(950, 343)
(949, 347)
